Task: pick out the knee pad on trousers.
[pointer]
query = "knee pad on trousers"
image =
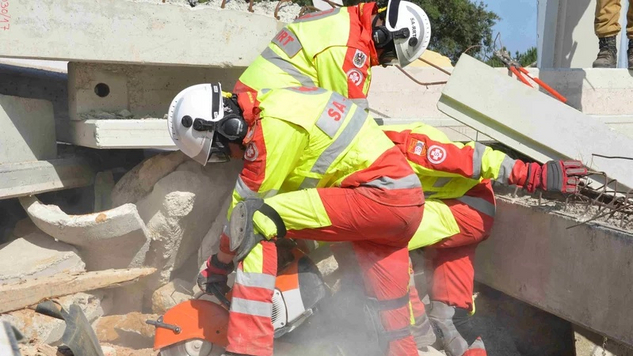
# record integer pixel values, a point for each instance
(454, 329)
(383, 337)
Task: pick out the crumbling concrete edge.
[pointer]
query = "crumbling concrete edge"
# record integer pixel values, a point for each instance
(581, 274)
(116, 238)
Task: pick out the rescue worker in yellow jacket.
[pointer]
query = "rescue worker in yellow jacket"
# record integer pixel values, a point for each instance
(316, 167)
(458, 215)
(335, 49)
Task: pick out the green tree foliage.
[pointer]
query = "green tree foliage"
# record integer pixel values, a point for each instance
(526, 58)
(457, 25)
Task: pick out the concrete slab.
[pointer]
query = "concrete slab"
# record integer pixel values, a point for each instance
(112, 134)
(532, 122)
(115, 238)
(602, 94)
(143, 90)
(28, 130)
(42, 84)
(581, 274)
(37, 255)
(134, 31)
(25, 178)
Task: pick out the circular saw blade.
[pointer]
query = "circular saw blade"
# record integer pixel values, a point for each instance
(195, 347)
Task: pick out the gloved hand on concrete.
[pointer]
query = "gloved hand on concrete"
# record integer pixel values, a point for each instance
(562, 176)
(215, 275)
(555, 176)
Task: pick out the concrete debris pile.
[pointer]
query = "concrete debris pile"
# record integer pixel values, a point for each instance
(146, 248)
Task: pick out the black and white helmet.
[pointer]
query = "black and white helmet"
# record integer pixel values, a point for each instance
(405, 34)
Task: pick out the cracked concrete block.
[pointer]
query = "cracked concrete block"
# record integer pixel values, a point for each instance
(115, 238)
(37, 255)
(129, 330)
(180, 210)
(139, 181)
(172, 293)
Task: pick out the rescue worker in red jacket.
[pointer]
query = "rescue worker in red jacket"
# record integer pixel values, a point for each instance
(309, 173)
(335, 49)
(458, 215)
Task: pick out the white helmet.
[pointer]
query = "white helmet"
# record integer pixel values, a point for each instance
(200, 124)
(408, 26)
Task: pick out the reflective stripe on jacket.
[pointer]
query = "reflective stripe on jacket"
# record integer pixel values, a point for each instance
(314, 138)
(449, 169)
(330, 49)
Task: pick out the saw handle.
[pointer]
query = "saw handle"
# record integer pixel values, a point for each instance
(159, 324)
(218, 294)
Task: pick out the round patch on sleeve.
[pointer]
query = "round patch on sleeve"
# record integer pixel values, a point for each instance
(436, 154)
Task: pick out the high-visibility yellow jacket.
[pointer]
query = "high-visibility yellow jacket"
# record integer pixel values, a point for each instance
(449, 169)
(330, 49)
(314, 138)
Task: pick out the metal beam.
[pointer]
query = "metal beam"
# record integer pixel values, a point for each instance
(531, 122)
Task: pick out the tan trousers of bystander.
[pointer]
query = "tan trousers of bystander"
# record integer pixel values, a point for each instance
(607, 15)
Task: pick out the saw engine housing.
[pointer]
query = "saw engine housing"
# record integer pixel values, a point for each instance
(299, 287)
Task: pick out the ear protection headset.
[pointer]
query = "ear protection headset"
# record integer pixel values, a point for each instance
(381, 34)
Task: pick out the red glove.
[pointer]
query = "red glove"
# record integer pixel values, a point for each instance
(555, 176)
(562, 176)
(533, 180)
(215, 275)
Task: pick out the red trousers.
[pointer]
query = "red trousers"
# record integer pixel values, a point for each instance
(451, 261)
(379, 234)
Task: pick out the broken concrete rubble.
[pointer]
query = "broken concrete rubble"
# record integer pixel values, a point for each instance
(37, 255)
(180, 210)
(115, 238)
(128, 330)
(38, 328)
(139, 181)
(172, 293)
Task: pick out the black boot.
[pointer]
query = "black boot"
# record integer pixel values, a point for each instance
(630, 53)
(608, 55)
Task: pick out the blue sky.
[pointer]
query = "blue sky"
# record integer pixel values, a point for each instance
(517, 24)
